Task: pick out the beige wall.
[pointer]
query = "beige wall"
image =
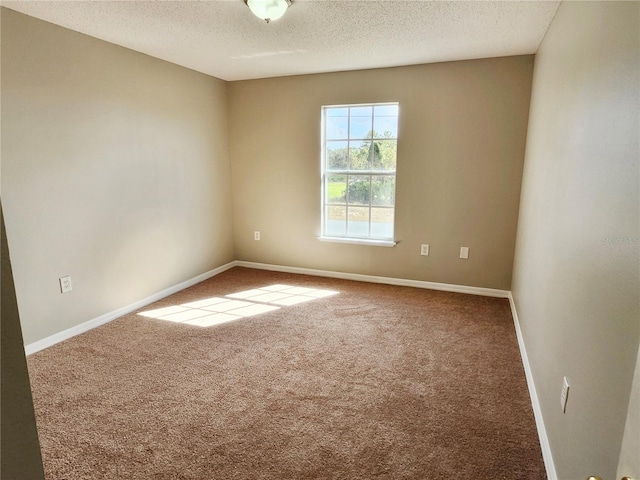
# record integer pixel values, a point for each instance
(115, 170)
(462, 131)
(576, 272)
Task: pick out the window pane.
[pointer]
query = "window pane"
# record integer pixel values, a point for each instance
(337, 112)
(384, 155)
(382, 222)
(360, 156)
(337, 154)
(336, 189)
(337, 127)
(359, 189)
(361, 111)
(385, 127)
(335, 221)
(383, 190)
(358, 222)
(361, 122)
(386, 110)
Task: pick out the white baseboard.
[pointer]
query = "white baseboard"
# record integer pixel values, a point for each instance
(447, 287)
(108, 317)
(489, 292)
(537, 411)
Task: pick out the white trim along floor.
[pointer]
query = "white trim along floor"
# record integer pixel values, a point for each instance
(488, 292)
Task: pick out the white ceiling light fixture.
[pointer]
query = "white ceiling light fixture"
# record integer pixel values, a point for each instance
(268, 10)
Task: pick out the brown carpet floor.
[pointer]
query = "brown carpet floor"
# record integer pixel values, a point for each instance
(376, 382)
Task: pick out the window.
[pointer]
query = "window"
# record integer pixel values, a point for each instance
(359, 150)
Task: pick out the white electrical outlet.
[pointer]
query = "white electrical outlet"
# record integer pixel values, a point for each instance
(564, 396)
(65, 284)
(424, 249)
(256, 235)
(464, 252)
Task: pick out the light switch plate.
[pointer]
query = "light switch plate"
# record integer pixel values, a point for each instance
(464, 252)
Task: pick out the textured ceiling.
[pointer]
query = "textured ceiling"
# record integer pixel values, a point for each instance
(222, 38)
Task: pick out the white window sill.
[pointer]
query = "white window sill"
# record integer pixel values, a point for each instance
(359, 241)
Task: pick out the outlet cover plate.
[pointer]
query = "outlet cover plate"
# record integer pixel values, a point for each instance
(564, 395)
(65, 284)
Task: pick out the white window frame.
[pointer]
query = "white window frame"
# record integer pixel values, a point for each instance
(386, 241)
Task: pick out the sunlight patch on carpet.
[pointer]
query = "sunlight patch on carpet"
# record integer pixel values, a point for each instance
(216, 310)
